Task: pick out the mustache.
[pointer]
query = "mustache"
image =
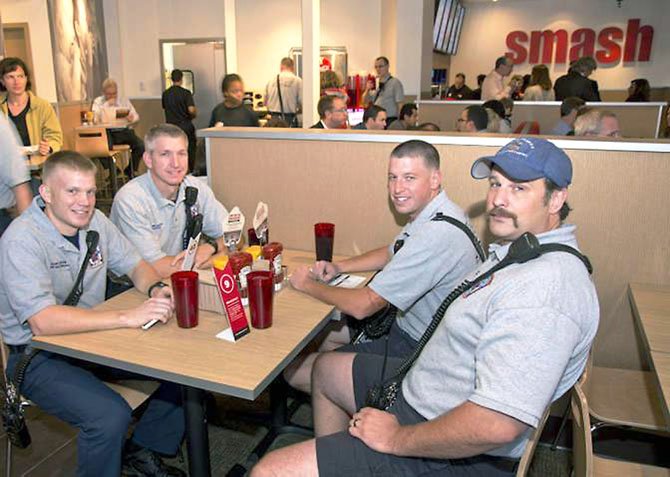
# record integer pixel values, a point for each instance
(504, 213)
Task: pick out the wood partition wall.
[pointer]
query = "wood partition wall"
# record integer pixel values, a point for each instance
(620, 201)
(637, 120)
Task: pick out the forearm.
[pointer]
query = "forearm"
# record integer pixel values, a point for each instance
(368, 262)
(145, 275)
(59, 320)
(23, 196)
(466, 431)
(359, 302)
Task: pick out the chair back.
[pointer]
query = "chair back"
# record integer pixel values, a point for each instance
(528, 127)
(527, 457)
(92, 142)
(582, 445)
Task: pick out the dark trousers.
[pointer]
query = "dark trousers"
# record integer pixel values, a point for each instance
(5, 220)
(71, 390)
(128, 136)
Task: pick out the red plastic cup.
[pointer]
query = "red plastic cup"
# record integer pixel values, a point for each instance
(261, 285)
(324, 235)
(185, 291)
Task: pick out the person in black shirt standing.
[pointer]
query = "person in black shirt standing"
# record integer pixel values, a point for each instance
(180, 110)
(233, 112)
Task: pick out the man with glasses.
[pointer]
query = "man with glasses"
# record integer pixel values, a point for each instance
(333, 113)
(473, 119)
(389, 94)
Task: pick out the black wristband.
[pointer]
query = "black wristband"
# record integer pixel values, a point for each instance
(155, 285)
(212, 242)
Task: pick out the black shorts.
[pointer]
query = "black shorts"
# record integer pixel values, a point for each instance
(400, 344)
(341, 454)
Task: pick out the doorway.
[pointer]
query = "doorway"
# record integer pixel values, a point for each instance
(17, 44)
(206, 59)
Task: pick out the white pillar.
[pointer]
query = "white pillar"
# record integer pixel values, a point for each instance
(311, 53)
(230, 19)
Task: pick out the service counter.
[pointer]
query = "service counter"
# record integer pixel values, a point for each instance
(637, 120)
(619, 196)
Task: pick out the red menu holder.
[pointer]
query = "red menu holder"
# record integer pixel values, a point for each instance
(230, 298)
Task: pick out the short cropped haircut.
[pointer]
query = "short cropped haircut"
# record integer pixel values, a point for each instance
(500, 61)
(478, 115)
(461, 75)
(176, 75)
(228, 80)
(372, 112)
(11, 63)
(325, 104)
(417, 148)
(162, 130)
(67, 159)
(407, 110)
(108, 83)
(382, 58)
(571, 103)
(287, 62)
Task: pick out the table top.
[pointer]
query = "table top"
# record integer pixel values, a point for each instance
(651, 307)
(121, 124)
(195, 357)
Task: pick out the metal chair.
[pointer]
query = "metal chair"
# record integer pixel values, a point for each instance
(585, 464)
(135, 392)
(93, 142)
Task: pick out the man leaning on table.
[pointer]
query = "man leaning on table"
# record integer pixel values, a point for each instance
(506, 349)
(151, 210)
(41, 253)
(425, 262)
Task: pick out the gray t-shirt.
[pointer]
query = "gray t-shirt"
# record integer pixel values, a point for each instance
(39, 267)
(291, 93)
(514, 343)
(434, 258)
(390, 96)
(13, 168)
(154, 224)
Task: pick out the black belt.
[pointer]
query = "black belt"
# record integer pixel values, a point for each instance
(17, 348)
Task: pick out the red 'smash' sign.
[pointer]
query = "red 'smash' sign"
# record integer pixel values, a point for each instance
(606, 47)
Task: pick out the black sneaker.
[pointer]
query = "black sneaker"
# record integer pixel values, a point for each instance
(143, 462)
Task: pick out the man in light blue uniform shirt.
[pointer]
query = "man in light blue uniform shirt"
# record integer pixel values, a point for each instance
(414, 277)
(41, 253)
(151, 210)
(504, 351)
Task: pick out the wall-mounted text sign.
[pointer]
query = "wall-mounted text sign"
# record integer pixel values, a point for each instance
(606, 46)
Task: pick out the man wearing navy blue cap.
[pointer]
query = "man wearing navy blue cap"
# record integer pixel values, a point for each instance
(504, 351)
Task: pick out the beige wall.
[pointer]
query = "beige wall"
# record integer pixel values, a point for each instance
(305, 181)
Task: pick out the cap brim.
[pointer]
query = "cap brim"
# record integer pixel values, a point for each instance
(481, 169)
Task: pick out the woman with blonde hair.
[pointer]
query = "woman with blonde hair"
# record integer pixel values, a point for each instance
(539, 88)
